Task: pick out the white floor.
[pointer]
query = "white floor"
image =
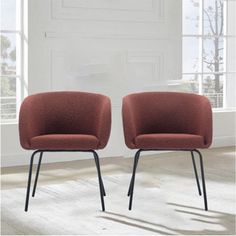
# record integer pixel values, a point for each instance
(166, 200)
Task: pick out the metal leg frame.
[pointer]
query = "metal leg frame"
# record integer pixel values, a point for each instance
(29, 180)
(196, 174)
(96, 158)
(131, 189)
(136, 158)
(132, 178)
(37, 174)
(203, 179)
(101, 186)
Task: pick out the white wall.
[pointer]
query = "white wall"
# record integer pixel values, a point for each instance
(109, 47)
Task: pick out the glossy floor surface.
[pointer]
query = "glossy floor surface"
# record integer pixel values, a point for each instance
(166, 200)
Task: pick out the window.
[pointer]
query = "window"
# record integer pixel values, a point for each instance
(204, 49)
(12, 59)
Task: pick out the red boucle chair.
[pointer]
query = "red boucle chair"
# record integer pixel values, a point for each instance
(64, 121)
(167, 121)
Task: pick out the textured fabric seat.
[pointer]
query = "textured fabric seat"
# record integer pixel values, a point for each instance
(64, 121)
(169, 141)
(65, 142)
(167, 121)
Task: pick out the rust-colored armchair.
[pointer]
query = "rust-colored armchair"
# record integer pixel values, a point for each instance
(64, 121)
(167, 121)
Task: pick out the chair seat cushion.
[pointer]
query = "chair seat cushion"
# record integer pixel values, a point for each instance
(169, 141)
(64, 142)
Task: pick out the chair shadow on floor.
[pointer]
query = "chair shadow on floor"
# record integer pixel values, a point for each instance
(224, 220)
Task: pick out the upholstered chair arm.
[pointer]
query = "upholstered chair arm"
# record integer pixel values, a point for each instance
(129, 123)
(31, 120)
(205, 121)
(103, 126)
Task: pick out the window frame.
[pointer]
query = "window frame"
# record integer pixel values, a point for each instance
(20, 75)
(201, 37)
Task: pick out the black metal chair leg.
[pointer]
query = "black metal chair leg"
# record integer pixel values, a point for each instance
(132, 178)
(131, 183)
(37, 174)
(101, 187)
(136, 158)
(196, 174)
(29, 180)
(203, 179)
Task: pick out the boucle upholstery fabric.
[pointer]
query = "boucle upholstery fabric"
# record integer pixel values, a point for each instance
(65, 120)
(64, 141)
(169, 141)
(168, 120)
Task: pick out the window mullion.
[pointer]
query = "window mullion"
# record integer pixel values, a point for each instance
(201, 28)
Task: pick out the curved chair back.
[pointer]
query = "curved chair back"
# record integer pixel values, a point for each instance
(65, 113)
(166, 112)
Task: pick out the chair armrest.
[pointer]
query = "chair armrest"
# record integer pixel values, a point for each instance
(129, 123)
(205, 121)
(31, 120)
(104, 123)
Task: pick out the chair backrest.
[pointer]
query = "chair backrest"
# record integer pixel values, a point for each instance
(62, 112)
(167, 112)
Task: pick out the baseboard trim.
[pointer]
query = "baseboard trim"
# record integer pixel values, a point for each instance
(224, 141)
